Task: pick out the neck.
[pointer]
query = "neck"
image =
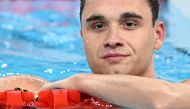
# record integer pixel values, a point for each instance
(150, 72)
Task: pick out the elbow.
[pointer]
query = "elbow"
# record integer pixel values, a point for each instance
(163, 99)
(172, 101)
(163, 104)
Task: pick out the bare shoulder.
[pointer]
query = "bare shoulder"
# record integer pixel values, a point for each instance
(187, 81)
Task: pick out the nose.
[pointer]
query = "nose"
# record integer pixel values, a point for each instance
(113, 40)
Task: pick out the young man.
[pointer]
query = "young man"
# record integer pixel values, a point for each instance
(120, 37)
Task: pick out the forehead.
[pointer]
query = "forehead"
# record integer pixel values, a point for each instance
(110, 8)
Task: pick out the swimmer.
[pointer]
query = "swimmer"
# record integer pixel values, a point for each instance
(120, 37)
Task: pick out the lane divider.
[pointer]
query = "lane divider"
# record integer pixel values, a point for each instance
(52, 99)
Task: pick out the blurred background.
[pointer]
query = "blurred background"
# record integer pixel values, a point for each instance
(42, 38)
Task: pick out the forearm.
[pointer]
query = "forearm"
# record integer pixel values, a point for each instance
(135, 92)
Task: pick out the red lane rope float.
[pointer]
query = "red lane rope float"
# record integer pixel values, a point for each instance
(51, 99)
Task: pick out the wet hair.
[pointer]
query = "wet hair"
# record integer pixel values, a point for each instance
(153, 4)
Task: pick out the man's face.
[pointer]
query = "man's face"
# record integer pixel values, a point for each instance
(118, 36)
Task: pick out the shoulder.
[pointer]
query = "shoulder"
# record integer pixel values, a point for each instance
(186, 81)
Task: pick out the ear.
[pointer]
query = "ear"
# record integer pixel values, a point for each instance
(159, 34)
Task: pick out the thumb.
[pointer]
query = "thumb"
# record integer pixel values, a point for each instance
(69, 83)
(49, 86)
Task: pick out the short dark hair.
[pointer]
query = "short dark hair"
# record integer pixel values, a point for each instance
(154, 6)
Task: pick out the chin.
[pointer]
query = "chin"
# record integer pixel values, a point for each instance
(113, 71)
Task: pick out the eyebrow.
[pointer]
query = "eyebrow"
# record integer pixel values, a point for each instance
(95, 18)
(130, 15)
(122, 16)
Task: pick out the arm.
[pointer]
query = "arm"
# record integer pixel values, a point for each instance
(130, 91)
(28, 82)
(187, 82)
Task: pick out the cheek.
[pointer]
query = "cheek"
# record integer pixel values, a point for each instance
(92, 43)
(143, 43)
(149, 43)
(148, 38)
(90, 48)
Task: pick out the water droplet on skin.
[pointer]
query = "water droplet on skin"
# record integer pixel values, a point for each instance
(94, 87)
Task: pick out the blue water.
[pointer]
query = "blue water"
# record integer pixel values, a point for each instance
(46, 42)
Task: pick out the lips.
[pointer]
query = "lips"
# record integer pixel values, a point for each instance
(115, 57)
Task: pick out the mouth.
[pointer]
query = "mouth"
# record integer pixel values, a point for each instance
(115, 57)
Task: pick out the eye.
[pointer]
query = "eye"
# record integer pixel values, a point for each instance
(99, 26)
(130, 25)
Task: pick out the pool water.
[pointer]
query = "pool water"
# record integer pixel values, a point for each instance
(42, 38)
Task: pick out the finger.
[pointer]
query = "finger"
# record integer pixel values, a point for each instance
(49, 86)
(46, 86)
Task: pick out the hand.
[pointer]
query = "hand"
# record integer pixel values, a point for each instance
(69, 83)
